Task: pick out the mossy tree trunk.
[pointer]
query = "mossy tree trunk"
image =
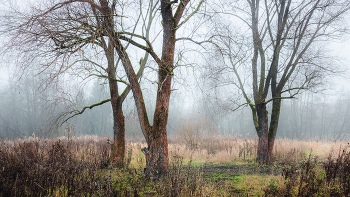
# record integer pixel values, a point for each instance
(262, 131)
(118, 150)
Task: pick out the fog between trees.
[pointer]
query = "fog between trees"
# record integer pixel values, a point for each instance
(31, 107)
(27, 109)
(229, 55)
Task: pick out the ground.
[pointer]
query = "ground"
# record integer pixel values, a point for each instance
(215, 166)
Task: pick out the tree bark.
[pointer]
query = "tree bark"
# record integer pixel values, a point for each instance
(118, 147)
(157, 162)
(276, 109)
(118, 150)
(156, 136)
(262, 130)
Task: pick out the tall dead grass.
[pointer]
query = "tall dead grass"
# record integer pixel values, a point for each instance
(63, 167)
(79, 166)
(209, 148)
(228, 148)
(312, 177)
(196, 139)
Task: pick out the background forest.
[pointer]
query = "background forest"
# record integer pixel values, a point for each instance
(27, 109)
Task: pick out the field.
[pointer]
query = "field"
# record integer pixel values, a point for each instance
(200, 166)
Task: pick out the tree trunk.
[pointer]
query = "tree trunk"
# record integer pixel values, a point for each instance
(118, 146)
(263, 148)
(276, 109)
(156, 136)
(262, 155)
(266, 134)
(157, 162)
(118, 150)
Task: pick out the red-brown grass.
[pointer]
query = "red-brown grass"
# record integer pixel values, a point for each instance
(79, 166)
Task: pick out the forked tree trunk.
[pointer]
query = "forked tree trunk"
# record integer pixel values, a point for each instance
(157, 161)
(156, 153)
(267, 133)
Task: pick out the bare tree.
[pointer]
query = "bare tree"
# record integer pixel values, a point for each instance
(70, 36)
(64, 28)
(286, 57)
(156, 135)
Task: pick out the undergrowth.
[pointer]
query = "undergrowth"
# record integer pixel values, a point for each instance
(79, 168)
(314, 177)
(216, 166)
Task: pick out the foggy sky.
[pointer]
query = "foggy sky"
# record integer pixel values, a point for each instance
(188, 101)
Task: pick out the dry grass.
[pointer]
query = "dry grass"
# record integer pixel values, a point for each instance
(229, 148)
(312, 177)
(214, 149)
(196, 140)
(321, 149)
(32, 167)
(78, 166)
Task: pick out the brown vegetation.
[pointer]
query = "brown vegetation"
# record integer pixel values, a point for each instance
(313, 177)
(217, 166)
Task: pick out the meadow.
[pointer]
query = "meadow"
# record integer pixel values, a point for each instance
(200, 165)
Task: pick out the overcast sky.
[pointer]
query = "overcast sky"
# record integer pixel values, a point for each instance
(339, 83)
